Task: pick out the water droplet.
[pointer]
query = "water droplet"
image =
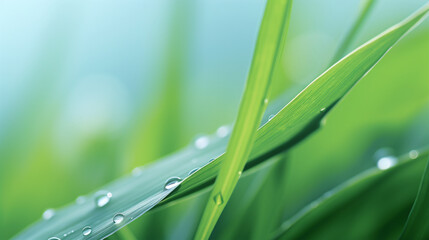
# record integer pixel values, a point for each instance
(86, 230)
(102, 198)
(386, 162)
(80, 200)
(266, 101)
(172, 182)
(202, 142)
(118, 218)
(385, 158)
(271, 117)
(413, 154)
(211, 160)
(193, 171)
(48, 214)
(322, 110)
(218, 199)
(222, 131)
(136, 171)
(54, 238)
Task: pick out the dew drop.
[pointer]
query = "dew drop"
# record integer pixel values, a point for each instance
(172, 182)
(218, 199)
(322, 110)
(118, 218)
(271, 117)
(266, 101)
(385, 158)
(211, 160)
(54, 238)
(48, 214)
(386, 162)
(86, 230)
(193, 171)
(413, 154)
(222, 131)
(102, 198)
(202, 142)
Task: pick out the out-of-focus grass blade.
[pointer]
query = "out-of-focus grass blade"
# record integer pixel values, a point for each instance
(134, 195)
(368, 206)
(269, 48)
(345, 44)
(161, 127)
(417, 226)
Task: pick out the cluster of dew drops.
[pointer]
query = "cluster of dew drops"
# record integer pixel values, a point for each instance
(102, 197)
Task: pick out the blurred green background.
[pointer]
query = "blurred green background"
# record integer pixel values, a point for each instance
(91, 89)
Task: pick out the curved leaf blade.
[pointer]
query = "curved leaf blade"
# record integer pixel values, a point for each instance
(338, 213)
(417, 225)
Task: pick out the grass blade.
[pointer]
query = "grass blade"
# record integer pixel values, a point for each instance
(268, 50)
(363, 207)
(417, 224)
(367, 5)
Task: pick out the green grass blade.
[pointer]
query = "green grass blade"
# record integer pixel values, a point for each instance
(137, 194)
(367, 5)
(368, 206)
(269, 47)
(417, 226)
